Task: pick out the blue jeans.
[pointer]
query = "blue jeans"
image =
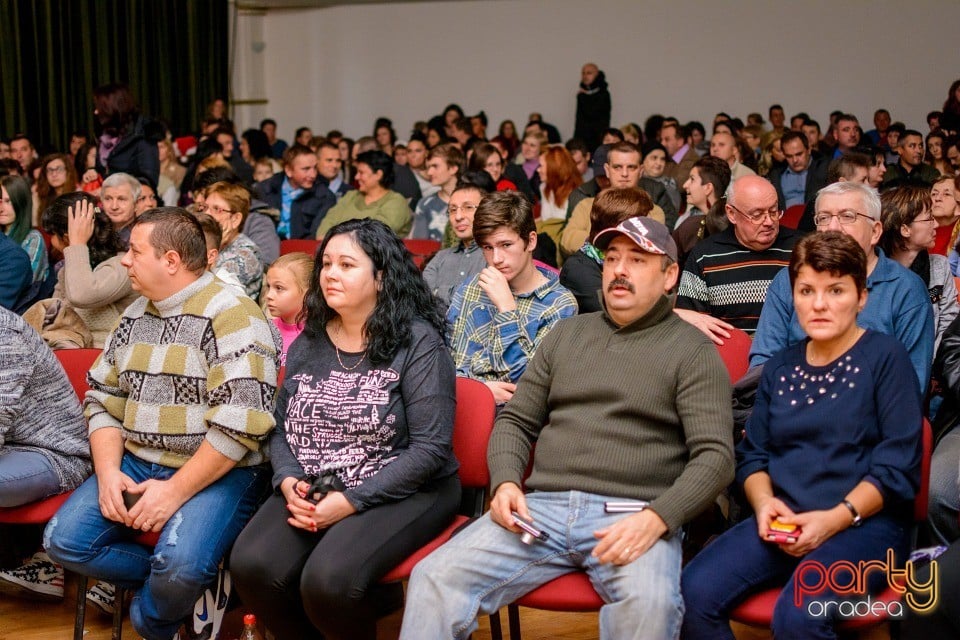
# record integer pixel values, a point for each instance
(486, 566)
(168, 581)
(26, 476)
(739, 563)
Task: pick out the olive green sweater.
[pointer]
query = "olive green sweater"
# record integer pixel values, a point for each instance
(640, 412)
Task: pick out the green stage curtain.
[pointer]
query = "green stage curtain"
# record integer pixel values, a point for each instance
(53, 53)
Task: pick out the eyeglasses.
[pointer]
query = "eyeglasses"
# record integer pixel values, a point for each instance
(56, 169)
(756, 217)
(846, 217)
(928, 219)
(466, 208)
(214, 211)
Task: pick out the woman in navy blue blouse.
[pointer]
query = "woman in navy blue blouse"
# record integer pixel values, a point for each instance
(833, 447)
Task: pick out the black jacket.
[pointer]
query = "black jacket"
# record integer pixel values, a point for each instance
(306, 212)
(946, 371)
(593, 112)
(816, 180)
(584, 278)
(135, 154)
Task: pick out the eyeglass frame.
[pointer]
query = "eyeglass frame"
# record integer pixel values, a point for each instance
(774, 216)
(55, 169)
(453, 209)
(839, 220)
(206, 208)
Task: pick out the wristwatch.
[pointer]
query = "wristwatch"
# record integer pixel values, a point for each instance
(857, 518)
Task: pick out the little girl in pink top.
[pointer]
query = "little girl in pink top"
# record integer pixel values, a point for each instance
(288, 279)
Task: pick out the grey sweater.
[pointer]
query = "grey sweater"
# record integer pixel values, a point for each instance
(639, 412)
(39, 410)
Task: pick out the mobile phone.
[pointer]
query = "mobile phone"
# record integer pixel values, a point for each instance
(530, 533)
(627, 506)
(783, 533)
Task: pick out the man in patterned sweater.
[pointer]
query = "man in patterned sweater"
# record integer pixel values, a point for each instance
(725, 279)
(180, 405)
(499, 316)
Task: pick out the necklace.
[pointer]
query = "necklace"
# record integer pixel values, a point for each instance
(336, 332)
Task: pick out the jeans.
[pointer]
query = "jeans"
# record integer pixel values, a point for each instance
(486, 566)
(168, 581)
(26, 476)
(739, 563)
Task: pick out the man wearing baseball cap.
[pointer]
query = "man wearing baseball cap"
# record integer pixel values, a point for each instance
(628, 406)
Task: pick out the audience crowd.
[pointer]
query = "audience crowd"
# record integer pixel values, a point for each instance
(280, 327)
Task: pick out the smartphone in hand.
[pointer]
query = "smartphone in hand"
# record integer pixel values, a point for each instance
(782, 533)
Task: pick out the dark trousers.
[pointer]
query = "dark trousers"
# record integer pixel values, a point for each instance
(739, 563)
(943, 623)
(304, 584)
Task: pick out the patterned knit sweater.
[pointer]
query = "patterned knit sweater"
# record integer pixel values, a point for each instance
(199, 365)
(39, 411)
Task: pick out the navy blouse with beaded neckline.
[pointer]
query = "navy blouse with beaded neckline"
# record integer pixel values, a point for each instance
(820, 430)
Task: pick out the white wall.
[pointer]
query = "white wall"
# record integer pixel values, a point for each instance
(343, 66)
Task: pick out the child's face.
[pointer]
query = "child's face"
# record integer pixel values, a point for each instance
(262, 171)
(284, 295)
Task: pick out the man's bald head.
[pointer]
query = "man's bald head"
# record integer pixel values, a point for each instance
(753, 211)
(589, 73)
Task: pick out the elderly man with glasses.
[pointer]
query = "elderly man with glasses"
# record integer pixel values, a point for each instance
(897, 300)
(725, 279)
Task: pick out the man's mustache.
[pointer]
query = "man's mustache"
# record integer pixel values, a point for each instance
(620, 282)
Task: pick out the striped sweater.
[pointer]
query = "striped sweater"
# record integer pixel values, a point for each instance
(199, 365)
(729, 281)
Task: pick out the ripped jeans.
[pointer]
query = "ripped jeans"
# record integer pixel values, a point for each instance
(170, 578)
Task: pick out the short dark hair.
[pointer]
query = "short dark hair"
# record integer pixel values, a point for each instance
(378, 161)
(791, 135)
(300, 131)
(843, 166)
(482, 117)
(463, 124)
(175, 229)
(848, 117)
(909, 132)
(830, 252)
(772, 107)
(212, 231)
(934, 115)
(695, 125)
(509, 209)
(477, 179)
(810, 122)
(577, 144)
(267, 121)
(899, 127)
(681, 132)
(616, 133)
(213, 176)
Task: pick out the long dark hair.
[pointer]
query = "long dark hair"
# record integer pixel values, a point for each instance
(402, 298)
(103, 244)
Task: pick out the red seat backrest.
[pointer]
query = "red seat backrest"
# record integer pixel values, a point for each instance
(472, 426)
(791, 217)
(735, 352)
(77, 362)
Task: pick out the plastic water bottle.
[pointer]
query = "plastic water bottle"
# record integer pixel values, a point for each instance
(250, 628)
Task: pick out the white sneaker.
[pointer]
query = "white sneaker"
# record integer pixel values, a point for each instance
(39, 579)
(103, 595)
(210, 610)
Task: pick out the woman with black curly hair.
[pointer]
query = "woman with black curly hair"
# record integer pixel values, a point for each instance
(92, 279)
(367, 406)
